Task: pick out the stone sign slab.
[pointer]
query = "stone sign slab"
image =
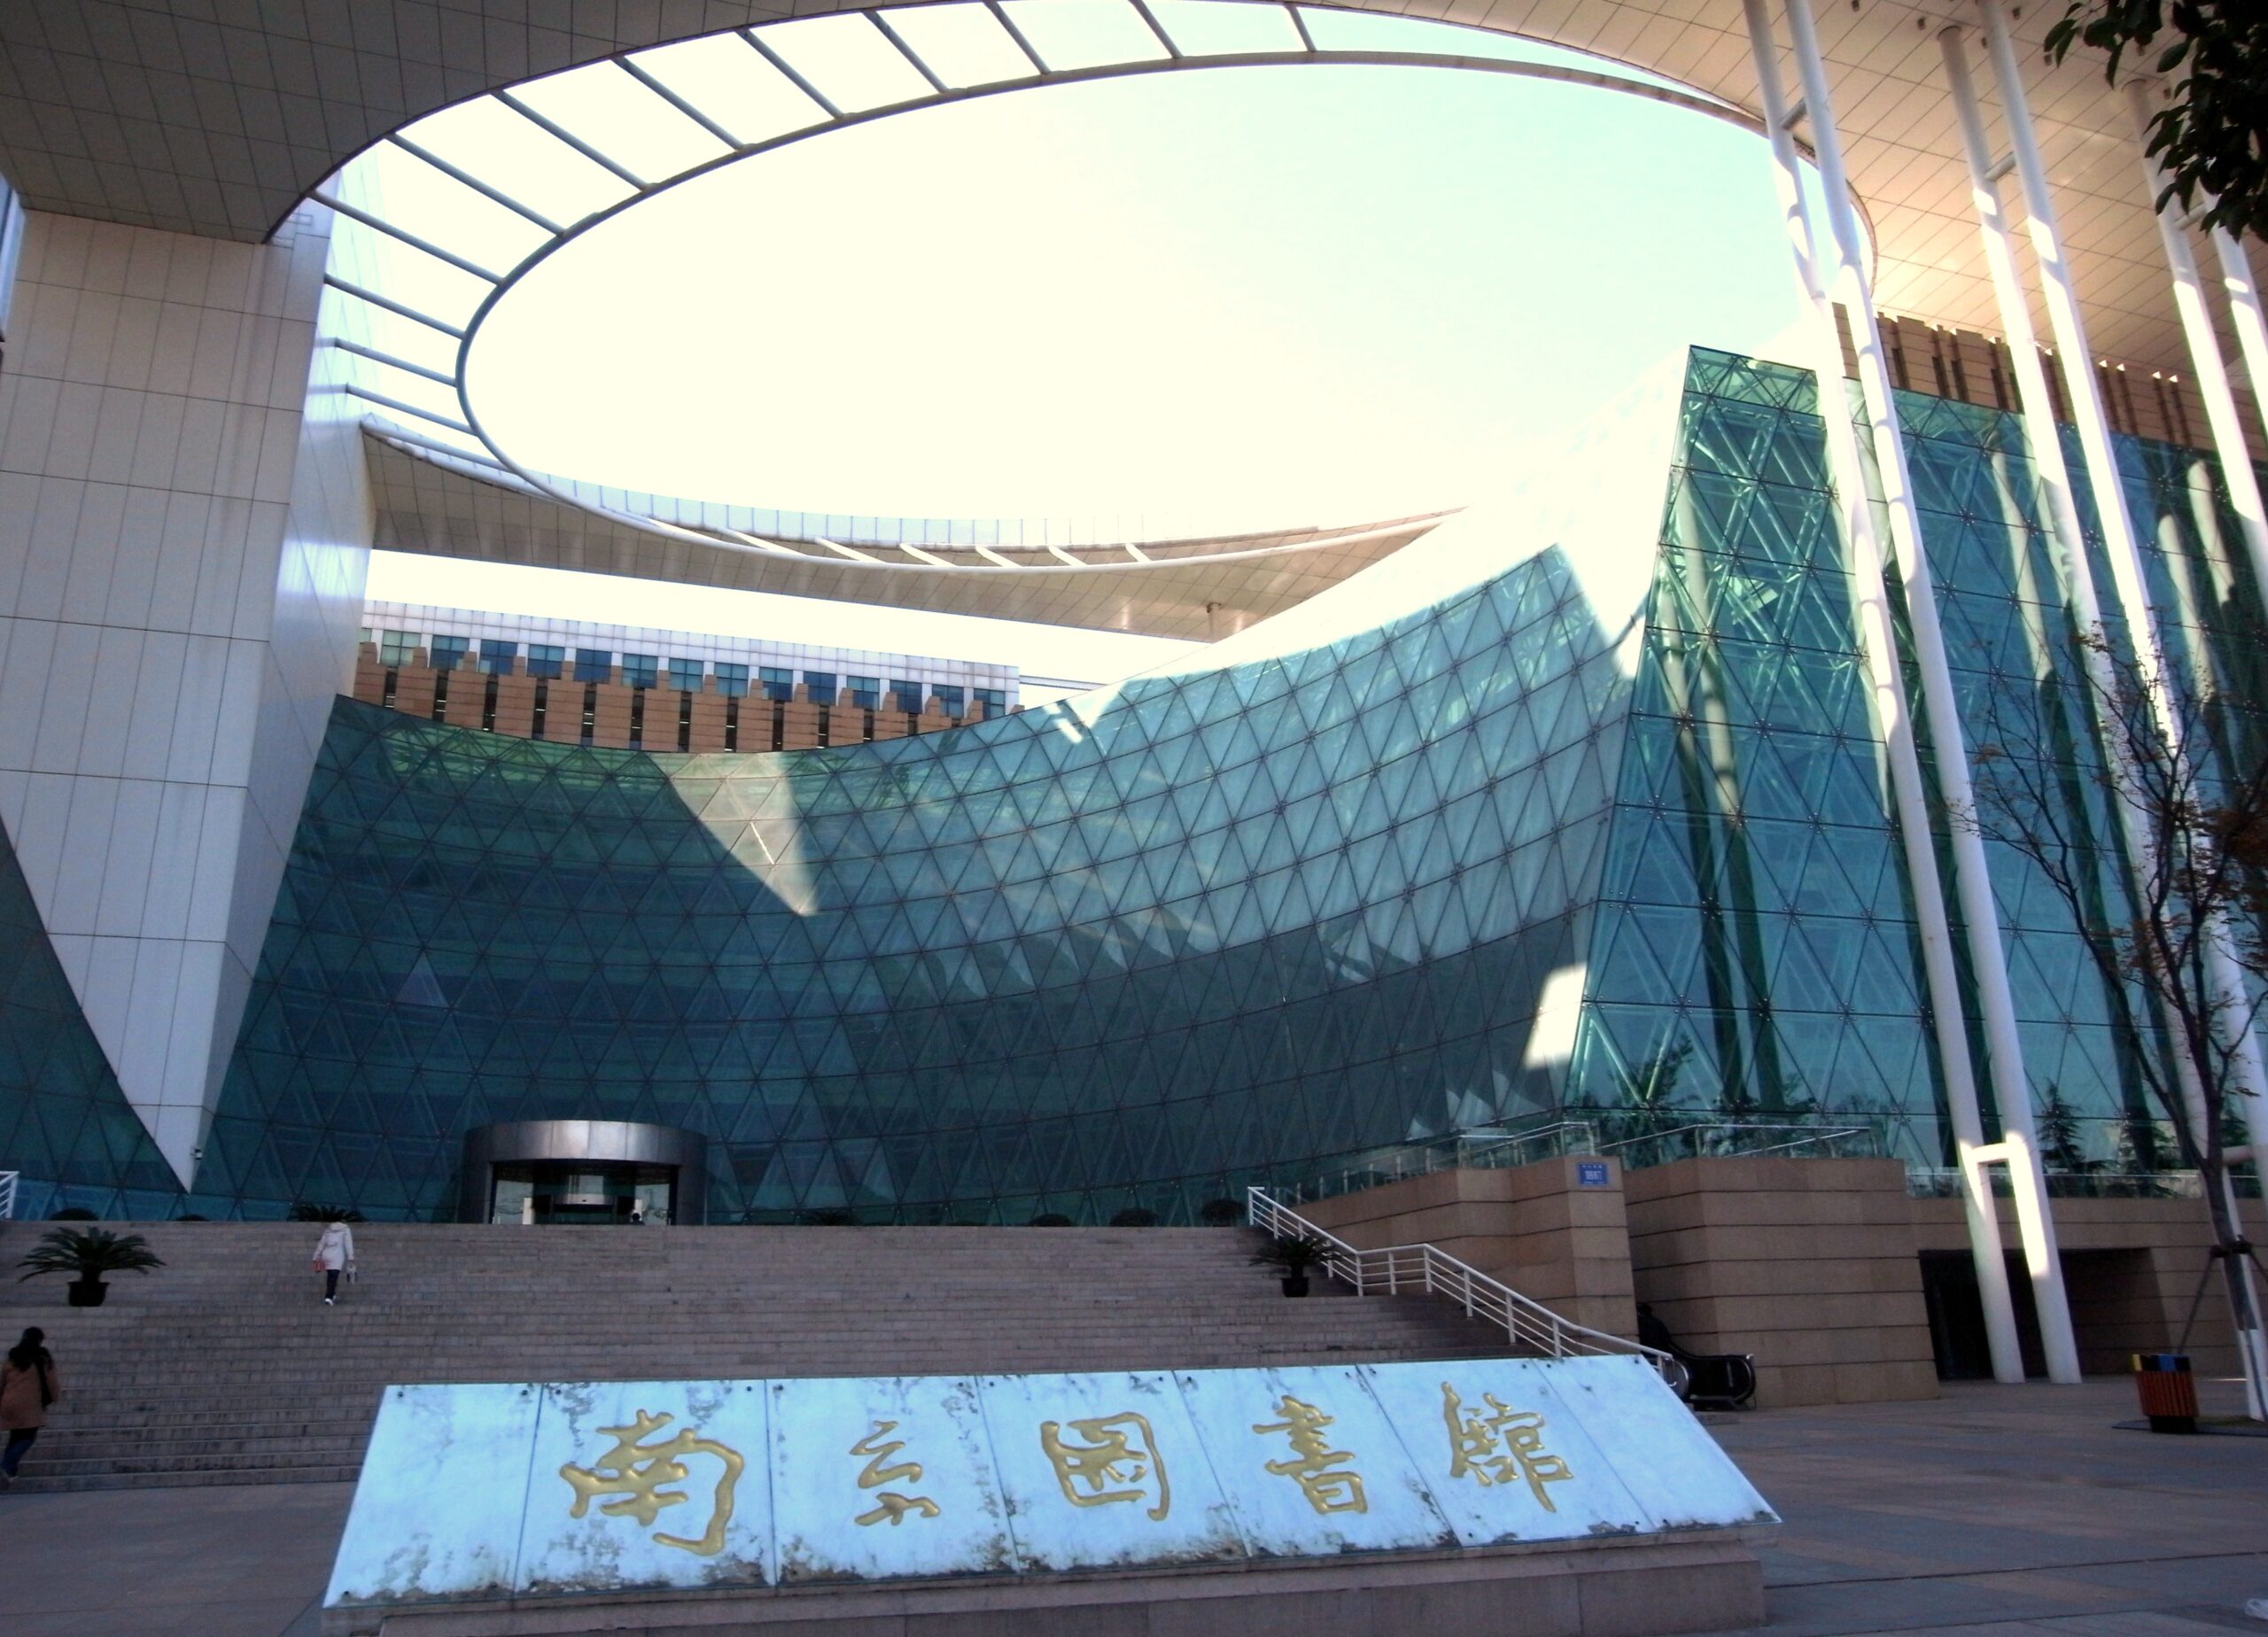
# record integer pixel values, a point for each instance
(879, 1477)
(1311, 1463)
(487, 1491)
(1105, 1471)
(444, 1485)
(648, 1483)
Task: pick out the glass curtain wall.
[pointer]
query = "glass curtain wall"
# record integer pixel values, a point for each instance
(1225, 926)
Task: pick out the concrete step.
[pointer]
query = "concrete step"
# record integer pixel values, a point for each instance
(223, 1367)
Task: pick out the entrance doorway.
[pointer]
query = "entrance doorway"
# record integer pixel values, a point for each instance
(581, 1192)
(1957, 1316)
(598, 1173)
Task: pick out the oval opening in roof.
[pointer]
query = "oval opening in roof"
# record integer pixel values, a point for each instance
(1187, 303)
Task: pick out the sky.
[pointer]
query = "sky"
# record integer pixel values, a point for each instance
(1247, 297)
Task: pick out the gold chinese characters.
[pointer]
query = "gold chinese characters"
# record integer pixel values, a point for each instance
(889, 1506)
(1114, 1461)
(1314, 1463)
(1491, 1448)
(636, 1471)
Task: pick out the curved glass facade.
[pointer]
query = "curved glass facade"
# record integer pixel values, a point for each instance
(1534, 850)
(1051, 962)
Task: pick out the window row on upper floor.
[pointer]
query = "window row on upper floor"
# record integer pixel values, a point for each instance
(499, 657)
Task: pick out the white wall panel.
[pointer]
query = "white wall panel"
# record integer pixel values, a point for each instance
(180, 551)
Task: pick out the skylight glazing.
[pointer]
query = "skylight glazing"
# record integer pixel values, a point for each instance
(440, 221)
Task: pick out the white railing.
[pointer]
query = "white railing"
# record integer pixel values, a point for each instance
(8, 1195)
(1425, 1268)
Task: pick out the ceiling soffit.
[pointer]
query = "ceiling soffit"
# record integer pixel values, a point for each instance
(217, 119)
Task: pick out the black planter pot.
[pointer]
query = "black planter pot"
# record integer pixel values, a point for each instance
(1295, 1285)
(87, 1292)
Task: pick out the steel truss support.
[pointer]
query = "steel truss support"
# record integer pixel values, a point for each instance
(1878, 645)
(2122, 545)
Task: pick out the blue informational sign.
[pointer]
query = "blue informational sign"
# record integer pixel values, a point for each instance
(1590, 1174)
(496, 1491)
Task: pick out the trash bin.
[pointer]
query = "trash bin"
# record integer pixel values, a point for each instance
(2168, 1390)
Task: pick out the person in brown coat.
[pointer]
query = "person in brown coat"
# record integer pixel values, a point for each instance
(29, 1388)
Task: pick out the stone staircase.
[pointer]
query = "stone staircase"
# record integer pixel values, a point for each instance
(225, 1368)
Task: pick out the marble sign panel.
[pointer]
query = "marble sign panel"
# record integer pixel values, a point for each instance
(437, 1511)
(881, 1478)
(1663, 1454)
(1105, 1470)
(648, 1484)
(1505, 1458)
(1310, 1462)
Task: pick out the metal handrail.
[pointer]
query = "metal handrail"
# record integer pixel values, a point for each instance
(1808, 1136)
(1457, 1150)
(1428, 1268)
(8, 1194)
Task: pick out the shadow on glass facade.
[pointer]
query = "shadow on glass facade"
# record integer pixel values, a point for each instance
(64, 1126)
(1506, 860)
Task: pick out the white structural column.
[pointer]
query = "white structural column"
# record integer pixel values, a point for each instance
(2205, 352)
(1877, 644)
(2244, 311)
(2019, 1147)
(2045, 442)
(182, 548)
(2036, 404)
(2121, 545)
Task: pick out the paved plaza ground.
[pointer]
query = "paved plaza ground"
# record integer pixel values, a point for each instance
(1989, 1512)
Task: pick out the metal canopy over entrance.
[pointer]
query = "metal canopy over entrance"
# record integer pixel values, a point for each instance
(589, 1172)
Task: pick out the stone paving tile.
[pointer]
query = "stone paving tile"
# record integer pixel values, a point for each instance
(229, 1561)
(2012, 1510)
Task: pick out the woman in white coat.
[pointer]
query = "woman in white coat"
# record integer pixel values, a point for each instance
(334, 1250)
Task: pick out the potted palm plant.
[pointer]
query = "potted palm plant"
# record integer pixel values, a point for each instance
(87, 1253)
(1291, 1258)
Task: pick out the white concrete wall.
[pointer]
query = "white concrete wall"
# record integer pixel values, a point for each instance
(178, 545)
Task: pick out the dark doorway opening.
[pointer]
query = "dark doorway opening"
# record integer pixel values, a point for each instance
(581, 1192)
(1957, 1317)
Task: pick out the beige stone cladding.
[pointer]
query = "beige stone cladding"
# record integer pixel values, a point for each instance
(707, 733)
(799, 723)
(611, 716)
(413, 694)
(1809, 1265)
(800, 720)
(515, 706)
(369, 676)
(1531, 1226)
(2130, 1269)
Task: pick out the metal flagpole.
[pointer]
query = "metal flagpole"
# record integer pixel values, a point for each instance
(1876, 644)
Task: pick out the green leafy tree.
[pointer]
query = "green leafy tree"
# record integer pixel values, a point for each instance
(2211, 135)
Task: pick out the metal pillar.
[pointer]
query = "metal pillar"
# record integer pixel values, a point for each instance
(1972, 878)
(2121, 545)
(2047, 445)
(2205, 353)
(1877, 647)
(2245, 316)
(2033, 399)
